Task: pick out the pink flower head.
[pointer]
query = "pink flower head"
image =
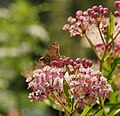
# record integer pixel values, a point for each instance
(85, 84)
(84, 20)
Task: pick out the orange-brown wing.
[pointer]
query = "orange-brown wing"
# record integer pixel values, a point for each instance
(39, 64)
(53, 53)
(53, 50)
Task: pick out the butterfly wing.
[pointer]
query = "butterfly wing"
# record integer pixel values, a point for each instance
(53, 53)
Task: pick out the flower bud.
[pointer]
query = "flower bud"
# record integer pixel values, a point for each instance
(89, 63)
(60, 64)
(116, 23)
(95, 8)
(89, 11)
(71, 62)
(71, 20)
(105, 9)
(105, 13)
(54, 63)
(100, 6)
(79, 13)
(92, 12)
(77, 60)
(95, 15)
(66, 27)
(117, 13)
(81, 18)
(101, 10)
(66, 61)
(117, 4)
(84, 63)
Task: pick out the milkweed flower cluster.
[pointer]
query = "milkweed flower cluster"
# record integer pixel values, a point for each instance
(84, 20)
(85, 84)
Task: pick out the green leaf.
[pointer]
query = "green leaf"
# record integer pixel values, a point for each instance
(113, 97)
(109, 54)
(67, 93)
(99, 113)
(68, 70)
(106, 65)
(118, 64)
(113, 65)
(113, 45)
(112, 113)
(111, 27)
(113, 109)
(85, 111)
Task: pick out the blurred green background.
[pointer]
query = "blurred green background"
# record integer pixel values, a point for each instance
(27, 27)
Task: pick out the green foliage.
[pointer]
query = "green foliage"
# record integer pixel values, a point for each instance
(99, 113)
(67, 93)
(51, 103)
(110, 68)
(114, 109)
(86, 110)
(111, 27)
(20, 39)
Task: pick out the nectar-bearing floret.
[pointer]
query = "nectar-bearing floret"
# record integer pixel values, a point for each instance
(85, 84)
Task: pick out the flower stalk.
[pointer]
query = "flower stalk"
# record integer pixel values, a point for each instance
(58, 100)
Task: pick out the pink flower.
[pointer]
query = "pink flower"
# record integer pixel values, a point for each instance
(71, 20)
(66, 27)
(84, 20)
(85, 84)
(79, 13)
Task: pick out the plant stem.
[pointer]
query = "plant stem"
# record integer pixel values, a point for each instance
(117, 34)
(102, 60)
(100, 69)
(101, 36)
(101, 101)
(66, 110)
(114, 38)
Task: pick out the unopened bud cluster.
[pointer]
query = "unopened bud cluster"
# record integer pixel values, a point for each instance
(67, 61)
(117, 5)
(85, 84)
